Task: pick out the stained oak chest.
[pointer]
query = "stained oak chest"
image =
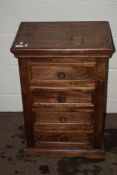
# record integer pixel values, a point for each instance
(63, 68)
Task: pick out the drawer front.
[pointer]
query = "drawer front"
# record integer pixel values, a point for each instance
(62, 136)
(63, 96)
(61, 119)
(63, 72)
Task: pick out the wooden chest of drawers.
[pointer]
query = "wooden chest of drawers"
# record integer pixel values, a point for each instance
(63, 69)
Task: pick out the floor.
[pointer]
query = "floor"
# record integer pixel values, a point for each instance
(13, 161)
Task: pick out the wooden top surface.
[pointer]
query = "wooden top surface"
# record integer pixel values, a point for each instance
(79, 37)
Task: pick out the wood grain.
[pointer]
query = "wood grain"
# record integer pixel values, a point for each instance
(62, 96)
(62, 73)
(84, 153)
(62, 135)
(71, 72)
(81, 116)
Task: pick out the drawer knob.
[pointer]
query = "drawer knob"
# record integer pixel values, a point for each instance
(63, 119)
(61, 99)
(61, 75)
(63, 138)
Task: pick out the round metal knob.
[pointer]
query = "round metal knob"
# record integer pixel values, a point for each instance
(61, 75)
(63, 119)
(63, 138)
(61, 99)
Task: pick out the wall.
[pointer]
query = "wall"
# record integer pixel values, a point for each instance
(12, 12)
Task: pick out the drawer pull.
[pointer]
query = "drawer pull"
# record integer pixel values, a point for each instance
(61, 99)
(61, 75)
(63, 138)
(63, 119)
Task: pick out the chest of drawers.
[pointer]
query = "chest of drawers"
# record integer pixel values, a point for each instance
(63, 67)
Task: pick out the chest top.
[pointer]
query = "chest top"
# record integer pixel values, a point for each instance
(78, 37)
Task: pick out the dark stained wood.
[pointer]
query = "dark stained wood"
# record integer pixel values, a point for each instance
(62, 71)
(44, 59)
(78, 116)
(65, 105)
(84, 153)
(67, 83)
(62, 135)
(81, 37)
(62, 96)
(26, 96)
(65, 126)
(100, 100)
(63, 145)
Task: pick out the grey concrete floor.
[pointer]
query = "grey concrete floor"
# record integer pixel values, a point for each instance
(13, 161)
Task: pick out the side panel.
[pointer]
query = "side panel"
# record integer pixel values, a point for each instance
(26, 98)
(101, 83)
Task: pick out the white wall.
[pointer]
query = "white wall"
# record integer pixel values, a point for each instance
(12, 12)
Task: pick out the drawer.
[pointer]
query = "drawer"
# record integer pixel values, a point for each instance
(65, 95)
(64, 119)
(79, 72)
(63, 136)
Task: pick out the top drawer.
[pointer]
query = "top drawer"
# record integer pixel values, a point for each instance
(79, 72)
